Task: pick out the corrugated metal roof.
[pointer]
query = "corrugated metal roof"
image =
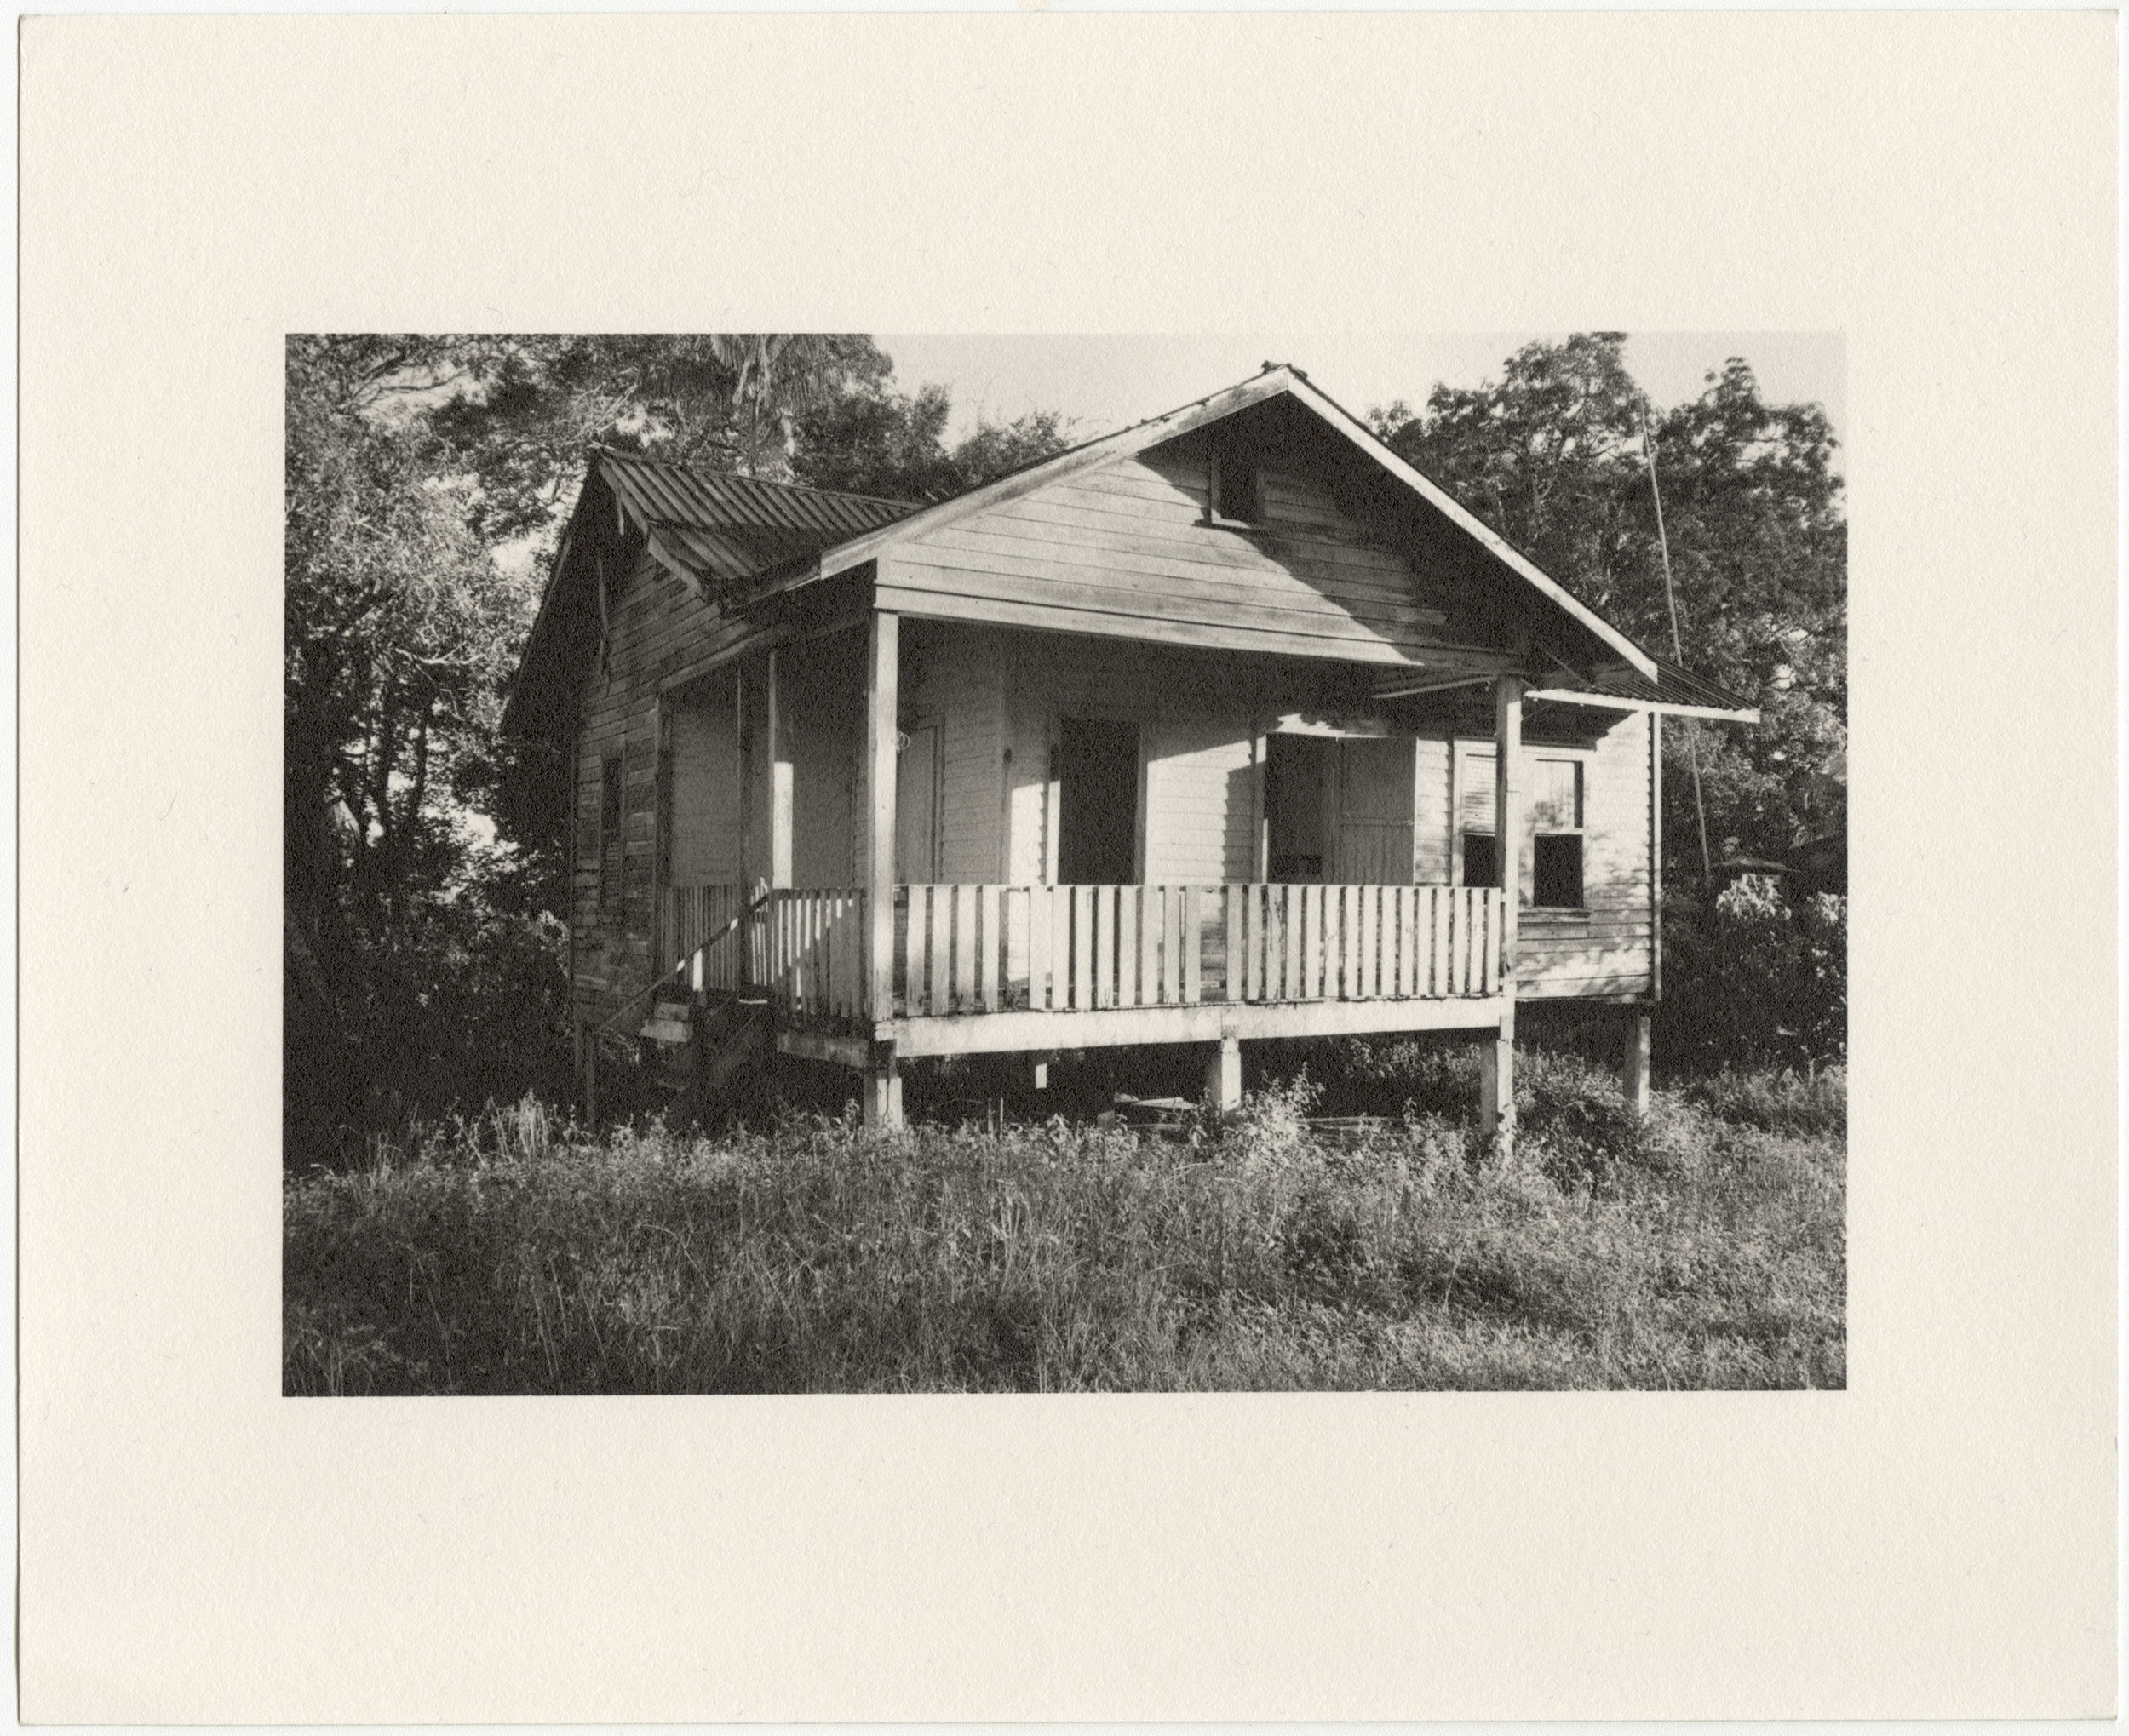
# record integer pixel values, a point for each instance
(733, 527)
(1675, 684)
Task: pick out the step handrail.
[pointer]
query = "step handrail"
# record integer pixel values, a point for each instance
(629, 1007)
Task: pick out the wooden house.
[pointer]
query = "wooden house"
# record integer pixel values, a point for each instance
(1223, 727)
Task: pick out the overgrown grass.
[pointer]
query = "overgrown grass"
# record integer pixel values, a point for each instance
(1703, 1246)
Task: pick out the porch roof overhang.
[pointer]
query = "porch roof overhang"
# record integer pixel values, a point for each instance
(1674, 692)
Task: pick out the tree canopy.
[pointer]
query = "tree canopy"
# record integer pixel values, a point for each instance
(1556, 454)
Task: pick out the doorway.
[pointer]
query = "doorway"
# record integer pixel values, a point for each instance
(1338, 810)
(1097, 802)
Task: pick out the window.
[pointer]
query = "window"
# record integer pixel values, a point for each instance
(1476, 845)
(1556, 835)
(1233, 496)
(610, 855)
(1552, 814)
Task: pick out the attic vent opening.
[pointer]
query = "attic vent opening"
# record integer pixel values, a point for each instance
(1233, 496)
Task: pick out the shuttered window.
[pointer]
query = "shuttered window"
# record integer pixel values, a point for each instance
(610, 855)
(1475, 823)
(1552, 814)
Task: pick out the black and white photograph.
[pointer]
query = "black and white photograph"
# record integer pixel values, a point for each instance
(851, 863)
(1115, 986)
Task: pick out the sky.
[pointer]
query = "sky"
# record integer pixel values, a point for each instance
(1107, 382)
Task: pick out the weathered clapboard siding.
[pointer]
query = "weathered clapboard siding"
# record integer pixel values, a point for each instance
(704, 800)
(1612, 951)
(1430, 839)
(954, 678)
(1123, 549)
(658, 627)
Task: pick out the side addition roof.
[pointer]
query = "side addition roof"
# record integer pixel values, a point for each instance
(716, 532)
(730, 529)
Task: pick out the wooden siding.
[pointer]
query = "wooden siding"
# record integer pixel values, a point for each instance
(822, 703)
(1609, 950)
(704, 802)
(1124, 549)
(656, 627)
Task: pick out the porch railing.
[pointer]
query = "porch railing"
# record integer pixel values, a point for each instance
(971, 948)
(996, 948)
(803, 947)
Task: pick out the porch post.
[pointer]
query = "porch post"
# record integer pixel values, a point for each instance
(1496, 1073)
(1223, 1076)
(1633, 1068)
(778, 760)
(883, 1091)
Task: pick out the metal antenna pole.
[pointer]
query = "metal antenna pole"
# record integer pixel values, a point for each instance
(1677, 651)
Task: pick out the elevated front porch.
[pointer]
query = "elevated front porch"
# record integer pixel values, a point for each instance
(984, 968)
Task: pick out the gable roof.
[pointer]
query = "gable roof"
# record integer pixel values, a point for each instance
(1281, 380)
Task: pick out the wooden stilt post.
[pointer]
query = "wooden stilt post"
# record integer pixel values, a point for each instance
(883, 1089)
(883, 1085)
(1496, 1070)
(1223, 1076)
(588, 1037)
(1633, 1068)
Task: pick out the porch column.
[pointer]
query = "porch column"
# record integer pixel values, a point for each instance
(780, 776)
(1633, 1068)
(1496, 1071)
(882, 1093)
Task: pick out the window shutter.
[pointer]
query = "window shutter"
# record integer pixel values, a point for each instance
(1475, 808)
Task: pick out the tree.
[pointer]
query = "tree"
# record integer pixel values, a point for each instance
(879, 441)
(1556, 455)
(427, 480)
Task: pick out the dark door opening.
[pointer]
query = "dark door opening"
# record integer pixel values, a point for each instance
(1297, 788)
(1097, 802)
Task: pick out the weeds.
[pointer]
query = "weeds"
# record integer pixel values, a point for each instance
(508, 1252)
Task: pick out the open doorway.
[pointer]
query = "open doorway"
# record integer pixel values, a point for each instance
(1339, 811)
(1097, 803)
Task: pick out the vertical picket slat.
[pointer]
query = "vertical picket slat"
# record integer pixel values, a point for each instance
(1126, 946)
(987, 947)
(1193, 945)
(1040, 898)
(964, 948)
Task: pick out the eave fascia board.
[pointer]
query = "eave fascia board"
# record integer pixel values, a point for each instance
(1569, 695)
(1447, 504)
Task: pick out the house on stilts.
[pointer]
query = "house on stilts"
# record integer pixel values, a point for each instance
(1230, 725)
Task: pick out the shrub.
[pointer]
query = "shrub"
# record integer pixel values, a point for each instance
(1754, 981)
